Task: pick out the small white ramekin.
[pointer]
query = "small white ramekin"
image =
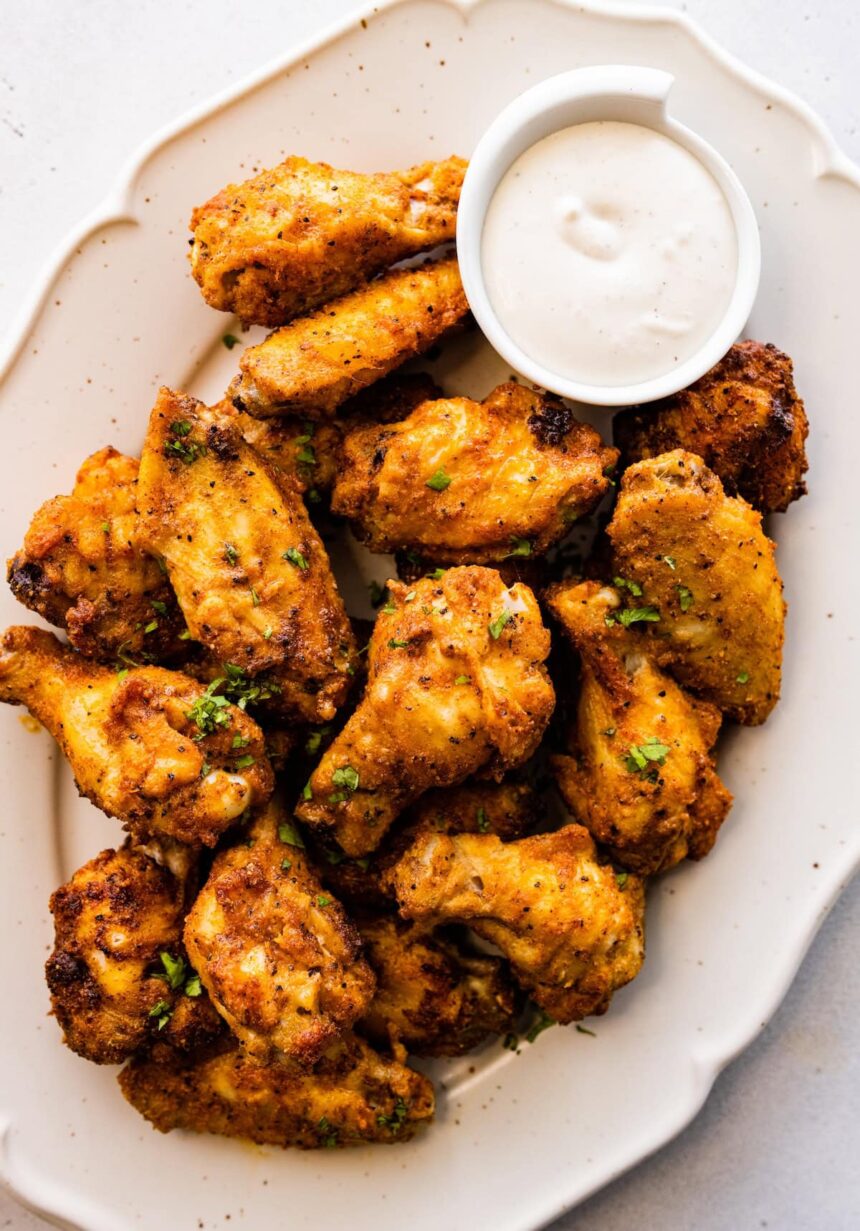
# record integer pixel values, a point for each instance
(604, 92)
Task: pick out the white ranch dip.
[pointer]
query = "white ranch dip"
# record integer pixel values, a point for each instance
(609, 253)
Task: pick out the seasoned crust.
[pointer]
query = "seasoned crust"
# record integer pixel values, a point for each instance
(743, 418)
(292, 238)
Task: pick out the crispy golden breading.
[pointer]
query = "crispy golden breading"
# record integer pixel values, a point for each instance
(456, 685)
(472, 482)
(138, 742)
(276, 953)
(432, 997)
(572, 933)
(353, 1096)
(250, 571)
(743, 418)
(292, 238)
(313, 365)
(111, 990)
(702, 560)
(641, 774)
(81, 569)
(307, 455)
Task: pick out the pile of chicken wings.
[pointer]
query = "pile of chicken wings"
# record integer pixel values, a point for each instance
(347, 844)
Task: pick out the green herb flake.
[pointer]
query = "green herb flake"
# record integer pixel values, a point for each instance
(162, 1012)
(685, 597)
(389, 609)
(323, 901)
(519, 547)
(307, 793)
(327, 1134)
(580, 1029)
(621, 879)
(185, 635)
(334, 857)
(245, 762)
(346, 777)
(267, 632)
(210, 711)
(315, 739)
(363, 863)
(483, 823)
(231, 555)
(495, 626)
(286, 864)
(307, 455)
(543, 1022)
(179, 446)
(193, 987)
(151, 626)
(205, 769)
(174, 970)
(642, 758)
(255, 598)
(743, 677)
(296, 558)
(105, 527)
(377, 593)
(633, 615)
(437, 574)
(394, 644)
(159, 607)
(439, 480)
(397, 1119)
(121, 673)
(289, 835)
(230, 341)
(463, 679)
(670, 560)
(621, 583)
(243, 691)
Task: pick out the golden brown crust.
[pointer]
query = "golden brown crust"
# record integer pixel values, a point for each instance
(649, 813)
(432, 997)
(276, 952)
(132, 741)
(462, 482)
(456, 685)
(571, 929)
(702, 560)
(353, 1096)
(81, 569)
(292, 238)
(312, 366)
(743, 418)
(110, 992)
(249, 570)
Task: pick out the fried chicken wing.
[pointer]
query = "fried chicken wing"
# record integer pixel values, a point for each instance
(433, 997)
(473, 482)
(250, 571)
(81, 569)
(313, 365)
(352, 1097)
(118, 975)
(295, 237)
(456, 685)
(147, 745)
(276, 953)
(641, 774)
(572, 930)
(743, 418)
(701, 561)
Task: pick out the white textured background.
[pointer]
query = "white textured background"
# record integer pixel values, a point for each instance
(81, 85)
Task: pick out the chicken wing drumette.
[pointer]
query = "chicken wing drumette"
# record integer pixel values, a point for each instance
(433, 997)
(743, 418)
(313, 365)
(473, 482)
(706, 578)
(81, 569)
(351, 1097)
(456, 686)
(150, 746)
(250, 571)
(292, 238)
(118, 975)
(640, 773)
(571, 928)
(276, 952)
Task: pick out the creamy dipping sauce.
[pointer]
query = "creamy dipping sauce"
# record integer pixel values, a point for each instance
(609, 253)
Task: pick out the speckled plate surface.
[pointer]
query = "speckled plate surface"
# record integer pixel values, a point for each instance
(518, 1138)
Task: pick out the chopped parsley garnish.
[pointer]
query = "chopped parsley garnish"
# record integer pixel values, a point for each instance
(179, 446)
(290, 836)
(495, 626)
(743, 677)
(295, 557)
(327, 1134)
(162, 1012)
(286, 864)
(685, 597)
(543, 1022)
(174, 970)
(307, 793)
(230, 341)
(632, 615)
(389, 609)
(231, 555)
(580, 1029)
(483, 823)
(205, 769)
(363, 863)
(642, 759)
(245, 762)
(377, 593)
(255, 598)
(323, 901)
(306, 454)
(463, 679)
(267, 632)
(334, 857)
(105, 527)
(315, 739)
(621, 879)
(621, 583)
(437, 574)
(397, 1119)
(519, 547)
(151, 626)
(192, 986)
(210, 711)
(439, 480)
(670, 560)
(394, 644)
(410, 597)
(314, 497)
(158, 606)
(185, 635)
(346, 777)
(243, 691)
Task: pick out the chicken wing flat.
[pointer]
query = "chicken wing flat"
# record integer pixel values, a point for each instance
(702, 565)
(473, 482)
(352, 1097)
(456, 685)
(147, 745)
(250, 571)
(640, 775)
(432, 997)
(313, 365)
(81, 569)
(743, 418)
(307, 454)
(571, 929)
(118, 975)
(276, 953)
(292, 238)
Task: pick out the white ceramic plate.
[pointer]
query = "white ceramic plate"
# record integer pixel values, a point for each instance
(518, 1138)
